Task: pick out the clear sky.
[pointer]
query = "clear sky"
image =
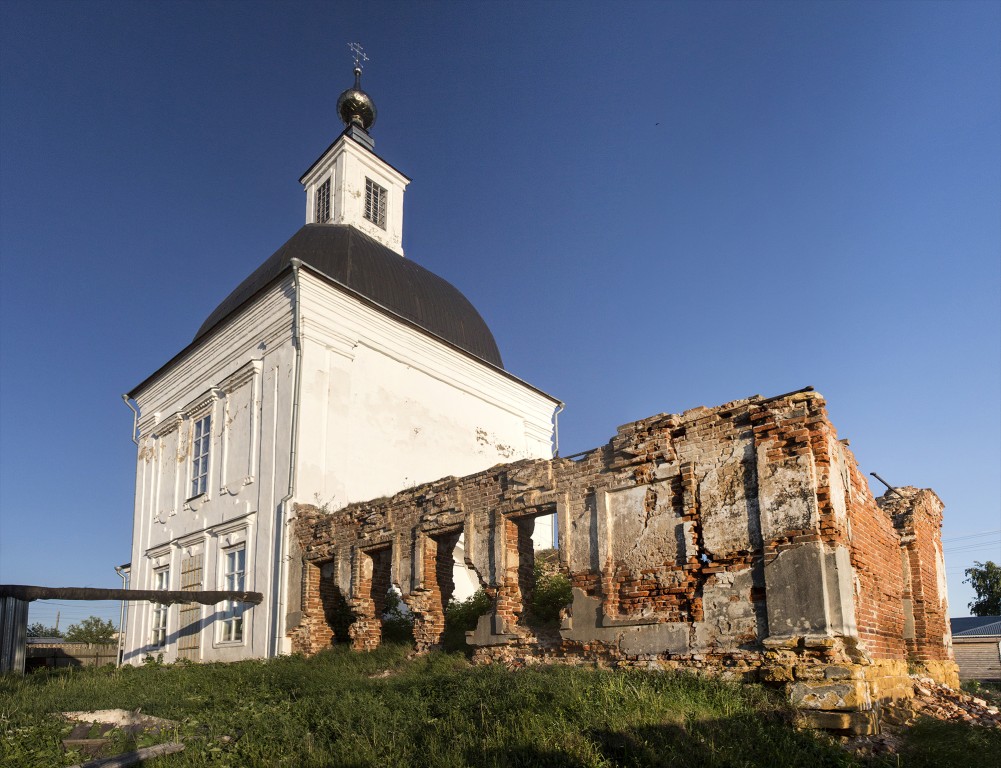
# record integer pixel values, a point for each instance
(655, 206)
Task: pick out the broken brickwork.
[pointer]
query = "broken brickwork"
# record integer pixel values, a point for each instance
(917, 516)
(741, 538)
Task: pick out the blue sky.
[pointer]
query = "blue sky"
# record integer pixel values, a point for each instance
(654, 205)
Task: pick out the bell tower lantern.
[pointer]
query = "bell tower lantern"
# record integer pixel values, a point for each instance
(349, 183)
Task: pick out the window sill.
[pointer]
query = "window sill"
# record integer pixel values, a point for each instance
(195, 502)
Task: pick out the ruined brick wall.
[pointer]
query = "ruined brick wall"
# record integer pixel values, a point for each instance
(427, 601)
(742, 538)
(879, 573)
(917, 516)
(324, 615)
(312, 631)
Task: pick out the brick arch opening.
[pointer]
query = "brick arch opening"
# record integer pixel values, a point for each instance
(336, 613)
(326, 614)
(517, 589)
(429, 601)
(374, 582)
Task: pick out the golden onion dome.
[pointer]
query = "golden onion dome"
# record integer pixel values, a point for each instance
(356, 106)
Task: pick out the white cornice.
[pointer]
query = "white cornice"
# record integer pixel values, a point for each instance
(350, 146)
(263, 325)
(197, 407)
(192, 537)
(333, 340)
(241, 376)
(166, 424)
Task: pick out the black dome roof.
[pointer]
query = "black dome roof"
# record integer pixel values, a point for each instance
(365, 266)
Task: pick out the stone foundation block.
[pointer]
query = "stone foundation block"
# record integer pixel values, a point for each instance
(846, 695)
(777, 674)
(857, 723)
(945, 672)
(837, 672)
(828, 672)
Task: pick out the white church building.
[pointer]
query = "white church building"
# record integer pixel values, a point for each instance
(338, 371)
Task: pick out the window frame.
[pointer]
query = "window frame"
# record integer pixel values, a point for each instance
(201, 451)
(376, 203)
(234, 578)
(160, 612)
(321, 206)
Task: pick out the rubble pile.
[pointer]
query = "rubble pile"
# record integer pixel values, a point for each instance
(944, 703)
(931, 699)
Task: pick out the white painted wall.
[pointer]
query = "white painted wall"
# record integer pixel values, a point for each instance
(385, 407)
(347, 164)
(243, 377)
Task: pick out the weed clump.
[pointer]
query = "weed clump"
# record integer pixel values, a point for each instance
(461, 617)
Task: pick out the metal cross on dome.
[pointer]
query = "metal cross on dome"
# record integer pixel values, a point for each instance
(359, 53)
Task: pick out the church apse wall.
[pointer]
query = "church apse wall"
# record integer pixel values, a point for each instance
(741, 539)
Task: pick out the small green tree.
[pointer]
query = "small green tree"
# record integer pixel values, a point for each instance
(40, 630)
(552, 589)
(985, 578)
(397, 620)
(461, 617)
(91, 630)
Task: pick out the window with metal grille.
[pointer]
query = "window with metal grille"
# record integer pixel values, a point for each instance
(375, 203)
(200, 456)
(158, 623)
(234, 565)
(323, 202)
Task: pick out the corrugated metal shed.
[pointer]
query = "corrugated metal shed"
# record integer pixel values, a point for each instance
(13, 634)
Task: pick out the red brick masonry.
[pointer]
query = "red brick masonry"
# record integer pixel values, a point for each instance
(741, 539)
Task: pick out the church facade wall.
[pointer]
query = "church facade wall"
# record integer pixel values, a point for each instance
(187, 537)
(368, 385)
(741, 539)
(373, 386)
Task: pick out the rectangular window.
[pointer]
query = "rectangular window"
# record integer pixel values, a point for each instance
(158, 624)
(375, 203)
(234, 569)
(200, 456)
(323, 202)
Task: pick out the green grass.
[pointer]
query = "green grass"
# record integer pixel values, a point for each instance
(341, 708)
(985, 689)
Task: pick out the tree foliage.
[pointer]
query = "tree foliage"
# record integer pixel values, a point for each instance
(552, 590)
(40, 630)
(985, 578)
(397, 620)
(91, 630)
(461, 617)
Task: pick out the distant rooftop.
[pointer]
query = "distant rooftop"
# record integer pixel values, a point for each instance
(976, 626)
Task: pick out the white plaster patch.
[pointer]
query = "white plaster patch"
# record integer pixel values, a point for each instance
(786, 494)
(646, 531)
(728, 516)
